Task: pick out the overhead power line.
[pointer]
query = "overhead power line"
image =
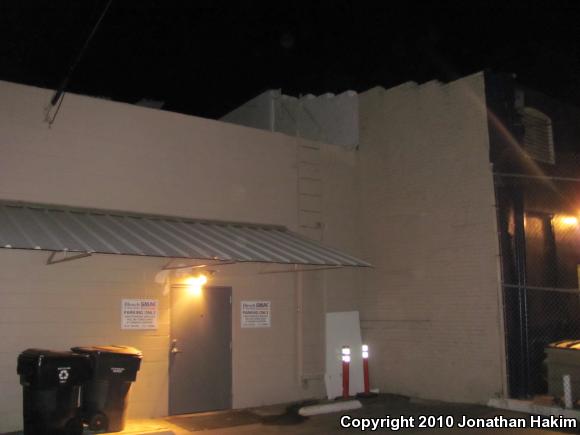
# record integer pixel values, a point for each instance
(58, 96)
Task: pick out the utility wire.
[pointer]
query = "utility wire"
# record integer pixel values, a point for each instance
(58, 96)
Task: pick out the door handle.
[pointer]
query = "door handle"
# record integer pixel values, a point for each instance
(174, 349)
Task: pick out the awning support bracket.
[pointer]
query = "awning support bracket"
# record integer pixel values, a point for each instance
(51, 259)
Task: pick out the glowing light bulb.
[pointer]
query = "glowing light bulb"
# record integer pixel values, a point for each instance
(570, 220)
(195, 284)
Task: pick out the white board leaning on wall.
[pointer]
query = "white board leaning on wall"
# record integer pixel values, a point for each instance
(343, 329)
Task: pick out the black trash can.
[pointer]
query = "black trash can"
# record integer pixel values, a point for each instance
(51, 383)
(105, 395)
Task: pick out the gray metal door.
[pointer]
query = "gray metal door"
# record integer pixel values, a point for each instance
(200, 361)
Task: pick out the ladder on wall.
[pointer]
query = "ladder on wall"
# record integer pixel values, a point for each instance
(310, 190)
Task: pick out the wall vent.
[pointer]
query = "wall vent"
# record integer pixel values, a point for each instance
(538, 136)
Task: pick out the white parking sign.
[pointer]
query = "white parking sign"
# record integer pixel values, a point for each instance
(139, 313)
(256, 314)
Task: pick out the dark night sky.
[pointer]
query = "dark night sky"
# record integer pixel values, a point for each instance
(205, 57)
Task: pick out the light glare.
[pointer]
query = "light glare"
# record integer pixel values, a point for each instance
(569, 220)
(195, 284)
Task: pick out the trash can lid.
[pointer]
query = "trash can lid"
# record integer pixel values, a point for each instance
(566, 344)
(45, 353)
(123, 350)
(42, 364)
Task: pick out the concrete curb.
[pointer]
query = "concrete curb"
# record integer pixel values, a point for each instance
(533, 408)
(327, 408)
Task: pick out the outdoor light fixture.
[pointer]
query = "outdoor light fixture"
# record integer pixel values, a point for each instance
(565, 220)
(195, 284)
(570, 220)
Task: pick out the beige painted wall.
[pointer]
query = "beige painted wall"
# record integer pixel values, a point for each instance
(342, 226)
(109, 155)
(430, 309)
(119, 156)
(420, 186)
(78, 303)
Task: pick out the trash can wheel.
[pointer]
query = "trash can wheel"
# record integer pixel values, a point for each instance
(98, 422)
(74, 427)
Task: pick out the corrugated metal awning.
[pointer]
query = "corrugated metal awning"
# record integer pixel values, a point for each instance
(48, 228)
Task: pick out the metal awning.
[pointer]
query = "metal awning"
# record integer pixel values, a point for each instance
(56, 229)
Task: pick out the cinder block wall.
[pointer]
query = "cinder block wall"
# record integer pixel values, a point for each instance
(431, 308)
(74, 304)
(342, 226)
(102, 154)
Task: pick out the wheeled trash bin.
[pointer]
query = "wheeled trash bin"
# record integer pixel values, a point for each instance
(51, 383)
(563, 358)
(105, 395)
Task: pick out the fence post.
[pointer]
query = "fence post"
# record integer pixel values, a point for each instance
(520, 254)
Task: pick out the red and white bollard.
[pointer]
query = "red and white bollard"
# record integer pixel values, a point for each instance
(365, 358)
(345, 371)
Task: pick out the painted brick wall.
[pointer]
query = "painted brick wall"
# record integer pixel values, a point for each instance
(430, 309)
(74, 304)
(109, 155)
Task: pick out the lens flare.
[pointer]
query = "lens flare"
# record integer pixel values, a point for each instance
(565, 221)
(195, 285)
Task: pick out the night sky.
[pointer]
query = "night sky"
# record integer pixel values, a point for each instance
(206, 57)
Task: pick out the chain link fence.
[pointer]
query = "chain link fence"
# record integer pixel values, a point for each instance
(540, 247)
